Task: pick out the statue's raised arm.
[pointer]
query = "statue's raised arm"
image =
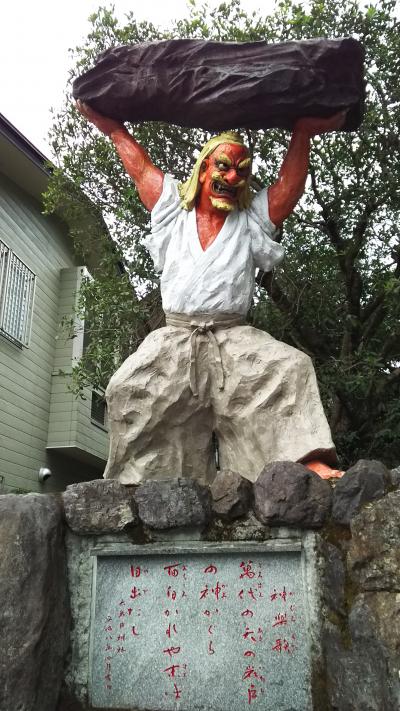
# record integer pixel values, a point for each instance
(137, 163)
(284, 195)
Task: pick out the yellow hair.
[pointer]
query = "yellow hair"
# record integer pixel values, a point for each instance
(189, 190)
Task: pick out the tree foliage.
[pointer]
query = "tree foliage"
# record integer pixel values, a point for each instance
(336, 295)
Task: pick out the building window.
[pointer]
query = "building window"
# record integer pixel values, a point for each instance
(17, 287)
(98, 410)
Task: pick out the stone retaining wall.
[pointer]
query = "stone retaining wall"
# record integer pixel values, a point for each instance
(34, 604)
(356, 562)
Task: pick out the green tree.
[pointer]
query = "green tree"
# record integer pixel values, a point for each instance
(337, 294)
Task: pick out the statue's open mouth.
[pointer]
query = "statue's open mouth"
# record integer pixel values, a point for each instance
(223, 189)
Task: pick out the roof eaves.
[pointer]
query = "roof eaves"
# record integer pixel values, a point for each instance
(19, 141)
(11, 134)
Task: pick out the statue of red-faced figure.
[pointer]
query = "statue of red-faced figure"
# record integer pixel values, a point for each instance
(219, 184)
(207, 371)
(224, 178)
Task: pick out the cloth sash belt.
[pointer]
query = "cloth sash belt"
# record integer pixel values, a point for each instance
(204, 324)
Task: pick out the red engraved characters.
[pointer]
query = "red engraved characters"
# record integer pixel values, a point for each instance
(218, 591)
(285, 618)
(171, 630)
(280, 619)
(135, 592)
(172, 650)
(250, 672)
(177, 669)
(247, 613)
(284, 645)
(252, 593)
(212, 591)
(253, 633)
(177, 692)
(247, 570)
(108, 631)
(211, 569)
(251, 693)
(172, 570)
(282, 594)
(137, 570)
(171, 671)
(267, 616)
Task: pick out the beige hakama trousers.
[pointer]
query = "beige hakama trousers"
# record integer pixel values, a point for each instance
(259, 396)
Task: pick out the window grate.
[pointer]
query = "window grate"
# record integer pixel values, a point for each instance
(98, 410)
(17, 286)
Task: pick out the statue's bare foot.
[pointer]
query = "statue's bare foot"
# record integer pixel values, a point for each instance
(323, 470)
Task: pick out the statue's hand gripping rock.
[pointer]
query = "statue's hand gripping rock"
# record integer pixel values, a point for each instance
(207, 371)
(103, 123)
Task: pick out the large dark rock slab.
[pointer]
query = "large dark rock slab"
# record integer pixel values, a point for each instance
(334, 576)
(173, 503)
(33, 602)
(99, 506)
(217, 85)
(289, 494)
(231, 494)
(366, 481)
(359, 674)
(383, 609)
(374, 552)
(68, 702)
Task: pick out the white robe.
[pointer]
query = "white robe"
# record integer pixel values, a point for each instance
(220, 279)
(269, 408)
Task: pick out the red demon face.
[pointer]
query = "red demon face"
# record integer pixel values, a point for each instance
(224, 176)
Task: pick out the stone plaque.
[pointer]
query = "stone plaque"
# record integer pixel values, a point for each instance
(200, 628)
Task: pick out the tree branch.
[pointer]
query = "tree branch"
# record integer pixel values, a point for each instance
(371, 307)
(373, 322)
(374, 312)
(306, 339)
(329, 225)
(352, 415)
(391, 347)
(355, 245)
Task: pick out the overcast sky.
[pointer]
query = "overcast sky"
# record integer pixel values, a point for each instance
(35, 36)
